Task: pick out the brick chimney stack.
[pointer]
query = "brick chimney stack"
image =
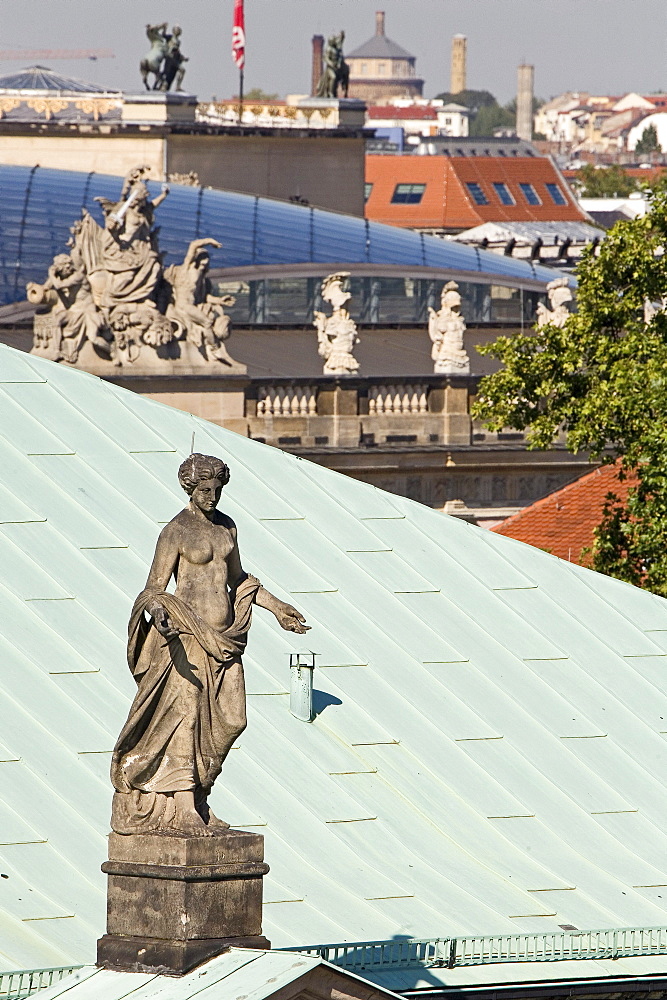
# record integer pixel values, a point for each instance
(524, 102)
(458, 67)
(379, 22)
(318, 62)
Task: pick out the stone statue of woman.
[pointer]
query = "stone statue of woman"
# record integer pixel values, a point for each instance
(186, 659)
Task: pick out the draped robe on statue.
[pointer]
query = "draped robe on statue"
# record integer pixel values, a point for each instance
(188, 711)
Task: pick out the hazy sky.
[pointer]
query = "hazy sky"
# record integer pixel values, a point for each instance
(603, 46)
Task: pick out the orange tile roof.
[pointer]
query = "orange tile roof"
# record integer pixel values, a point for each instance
(390, 111)
(447, 202)
(563, 522)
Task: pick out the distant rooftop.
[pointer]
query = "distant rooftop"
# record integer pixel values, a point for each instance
(379, 46)
(43, 78)
(564, 522)
(446, 145)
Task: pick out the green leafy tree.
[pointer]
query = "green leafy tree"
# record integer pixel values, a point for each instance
(257, 96)
(487, 115)
(648, 141)
(602, 377)
(473, 99)
(490, 118)
(604, 182)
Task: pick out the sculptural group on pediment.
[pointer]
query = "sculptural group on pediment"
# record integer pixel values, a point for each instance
(112, 291)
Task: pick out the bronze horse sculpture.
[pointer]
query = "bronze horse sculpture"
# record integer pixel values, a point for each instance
(152, 62)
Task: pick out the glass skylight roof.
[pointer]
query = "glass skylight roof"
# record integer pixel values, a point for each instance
(39, 205)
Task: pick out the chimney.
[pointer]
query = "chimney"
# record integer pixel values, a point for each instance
(458, 68)
(379, 22)
(318, 65)
(302, 666)
(524, 102)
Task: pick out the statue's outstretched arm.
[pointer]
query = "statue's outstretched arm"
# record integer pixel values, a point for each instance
(288, 617)
(196, 245)
(162, 195)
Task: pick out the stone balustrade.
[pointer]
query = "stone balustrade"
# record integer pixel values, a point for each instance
(409, 397)
(287, 401)
(352, 411)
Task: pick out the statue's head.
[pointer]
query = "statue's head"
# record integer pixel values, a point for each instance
(559, 292)
(63, 265)
(450, 297)
(334, 290)
(203, 477)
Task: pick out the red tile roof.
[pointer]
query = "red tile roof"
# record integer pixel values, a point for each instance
(447, 202)
(414, 113)
(563, 522)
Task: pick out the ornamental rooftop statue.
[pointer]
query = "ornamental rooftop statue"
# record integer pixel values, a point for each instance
(110, 303)
(336, 334)
(186, 659)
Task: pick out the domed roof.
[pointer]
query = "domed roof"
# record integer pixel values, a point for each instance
(43, 78)
(379, 46)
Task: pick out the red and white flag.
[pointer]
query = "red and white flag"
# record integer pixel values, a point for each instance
(238, 35)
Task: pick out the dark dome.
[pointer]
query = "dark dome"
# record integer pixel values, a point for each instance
(42, 78)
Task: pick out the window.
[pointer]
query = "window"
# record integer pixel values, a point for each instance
(503, 193)
(364, 69)
(448, 121)
(476, 191)
(367, 191)
(381, 69)
(407, 194)
(530, 194)
(557, 195)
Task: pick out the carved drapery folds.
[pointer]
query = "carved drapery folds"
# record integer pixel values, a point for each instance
(337, 333)
(446, 328)
(111, 298)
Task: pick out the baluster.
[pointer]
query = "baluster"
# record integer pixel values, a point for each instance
(312, 400)
(373, 400)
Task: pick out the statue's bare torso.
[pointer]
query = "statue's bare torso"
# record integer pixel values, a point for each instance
(205, 560)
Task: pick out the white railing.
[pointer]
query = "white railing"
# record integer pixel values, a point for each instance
(25, 982)
(550, 946)
(407, 398)
(287, 401)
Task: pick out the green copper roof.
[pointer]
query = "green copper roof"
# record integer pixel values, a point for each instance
(240, 972)
(489, 750)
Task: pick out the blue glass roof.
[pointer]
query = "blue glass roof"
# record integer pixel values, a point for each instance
(39, 205)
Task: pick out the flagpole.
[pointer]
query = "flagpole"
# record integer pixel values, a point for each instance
(241, 96)
(238, 49)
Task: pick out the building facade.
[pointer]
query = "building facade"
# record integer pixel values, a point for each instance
(380, 69)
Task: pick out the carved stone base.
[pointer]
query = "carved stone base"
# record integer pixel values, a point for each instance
(175, 901)
(170, 957)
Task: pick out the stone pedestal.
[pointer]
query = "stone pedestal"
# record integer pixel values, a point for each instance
(173, 901)
(339, 112)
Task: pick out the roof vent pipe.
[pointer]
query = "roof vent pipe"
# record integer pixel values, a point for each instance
(302, 666)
